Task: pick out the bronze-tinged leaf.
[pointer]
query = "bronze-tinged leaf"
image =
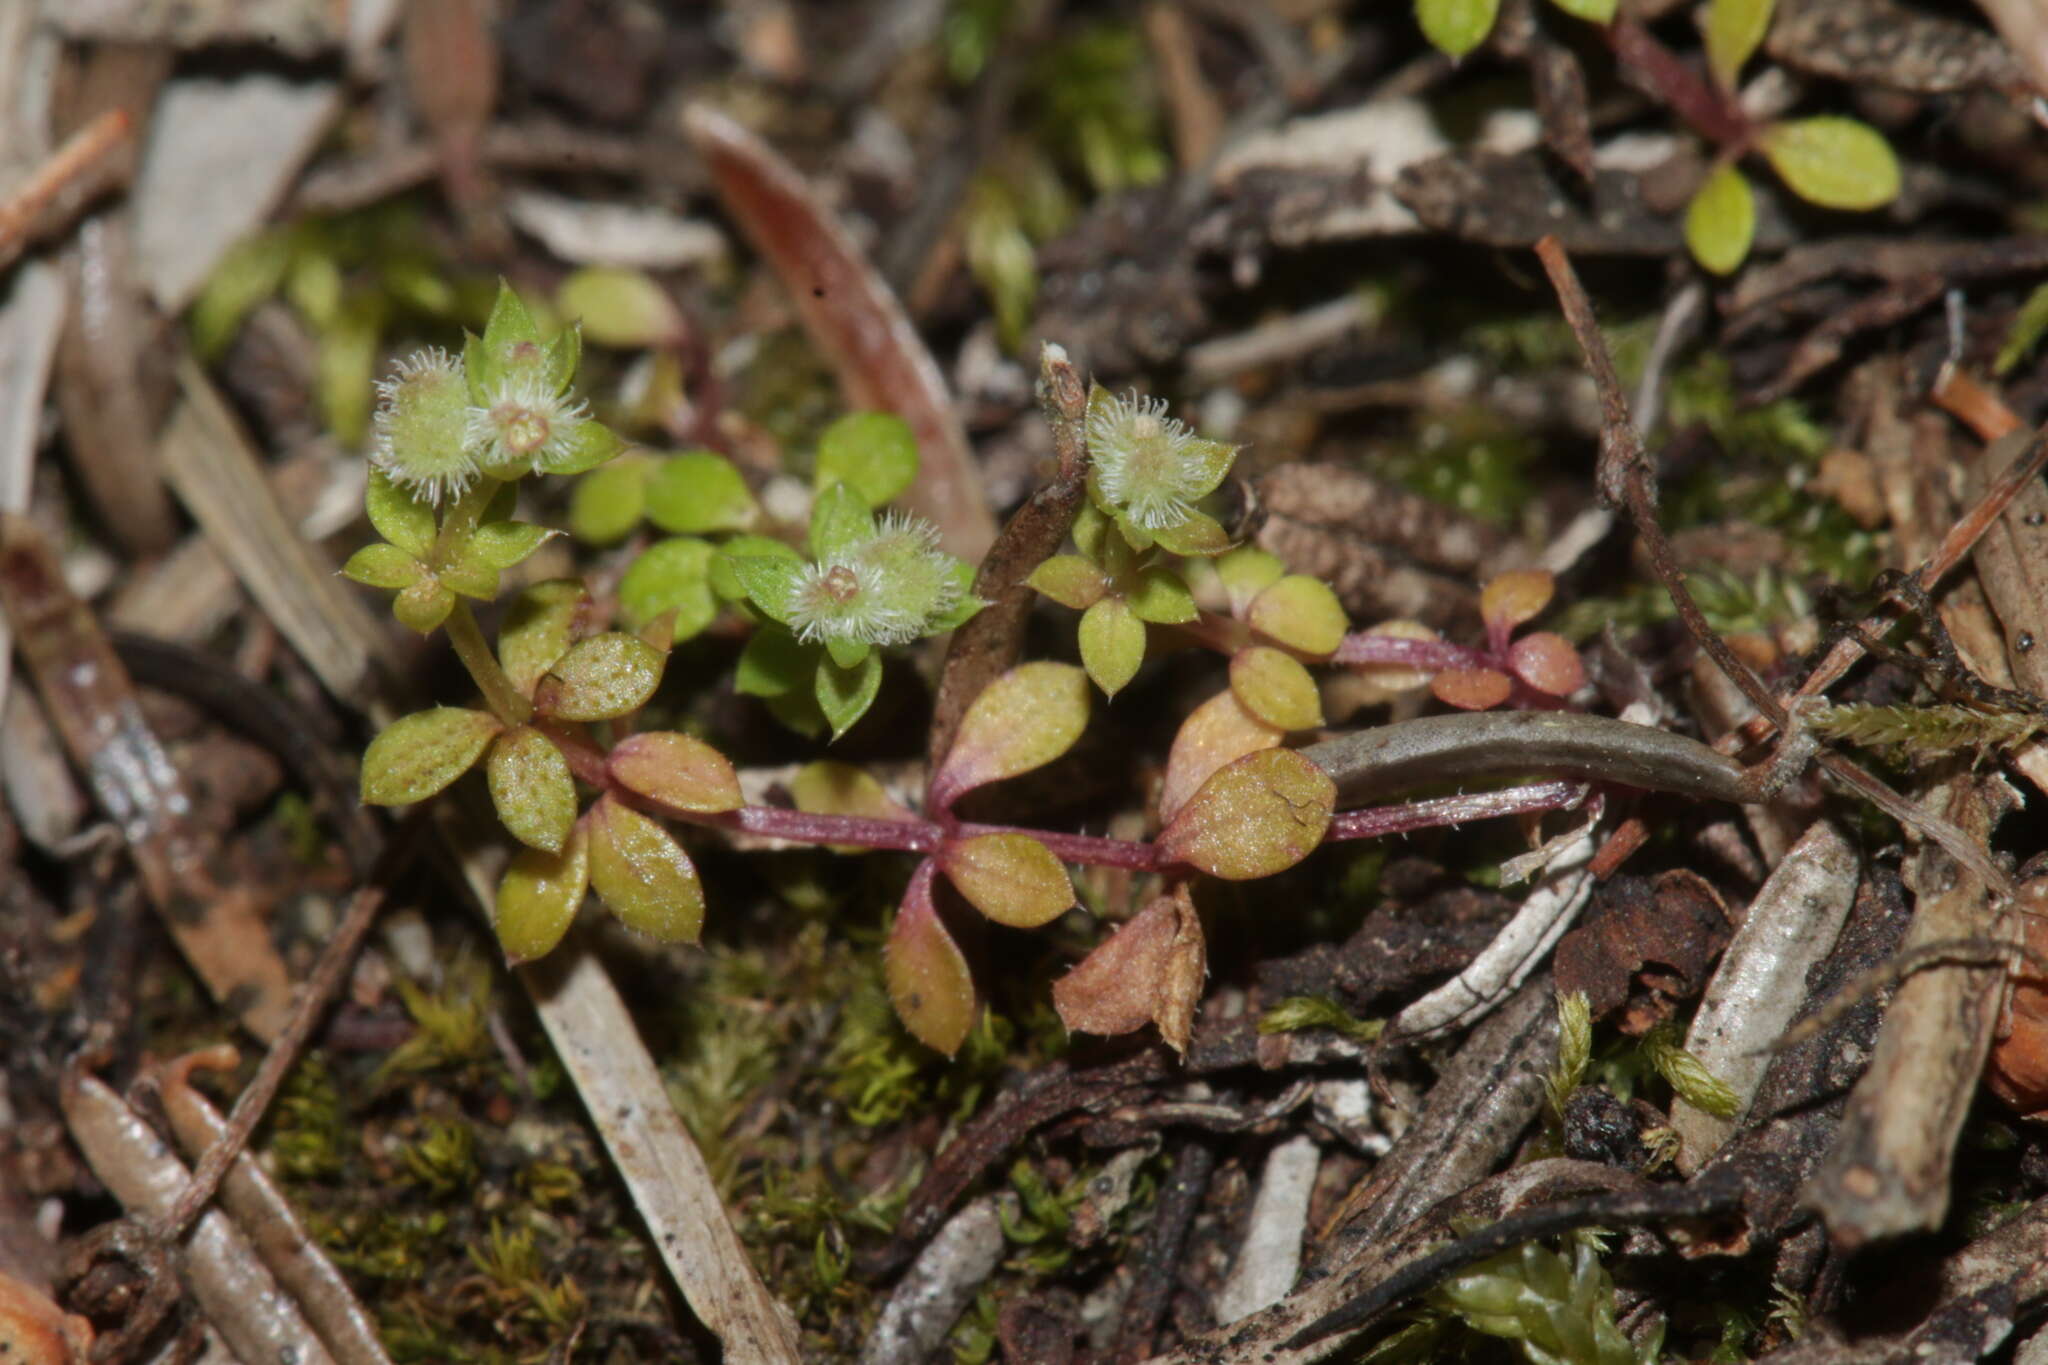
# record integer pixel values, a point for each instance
(417, 755)
(1301, 613)
(1218, 732)
(677, 770)
(601, 678)
(928, 978)
(1149, 971)
(1023, 720)
(1011, 878)
(1516, 596)
(531, 788)
(1548, 663)
(1472, 689)
(643, 874)
(539, 897)
(1275, 688)
(539, 627)
(1261, 815)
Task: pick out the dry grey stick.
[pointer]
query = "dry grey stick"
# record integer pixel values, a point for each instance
(257, 1319)
(1270, 1256)
(1888, 1172)
(939, 1285)
(1792, 924)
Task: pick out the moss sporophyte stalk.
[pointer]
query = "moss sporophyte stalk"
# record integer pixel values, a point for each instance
(594, 800)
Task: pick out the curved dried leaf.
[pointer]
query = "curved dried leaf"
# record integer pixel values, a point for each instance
(600, 678)
(1274, 687)
(1149, 971)
(643, 874)
(539, 897)
(1218, 732)
(1023, 720)
(531, 788)
(1261, 815)
(677, 770)
(1301, 613)
(1011, 878)
(419, 754)
(929, 983)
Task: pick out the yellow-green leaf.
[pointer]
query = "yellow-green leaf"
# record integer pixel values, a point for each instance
(398, 516)
(1592, 11)
(1455, 27)
(621, 308)
(643, 874)
(419, 754)
(608, 502)
(873, 453)
(531, 788)
(1218, 732)
(1301, 613)
(699, 491)
(677, 770)
(1733, 30)
(1720, 222)
(828, 787)
(1200, 534)
(1274, 687)
(383, 566)
(1159, 596)
(1112, 644)
(1070, 581)
(845, 694)
(1837, 163)
(600, 678)
(928, 979)
(538, 629)
(1261, 815)
(423, 605)
(539, 896)
(1023, 720)
(1011, 878)
(1245, 573)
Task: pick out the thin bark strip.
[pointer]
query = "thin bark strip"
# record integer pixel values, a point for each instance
(854, 319)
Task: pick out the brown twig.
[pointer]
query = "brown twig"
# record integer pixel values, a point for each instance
(19, 211)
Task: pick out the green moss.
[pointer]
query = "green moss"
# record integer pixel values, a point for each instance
(1472, 461)
(443, 1158)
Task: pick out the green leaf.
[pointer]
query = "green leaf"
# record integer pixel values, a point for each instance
(1091, 526)
(1455, 27)
(383, 566)
(1721, 221)
(251, 271)
(846, 653)
(1260, 815)
(677, 770)
(840, 522)
(539, 897)
(589, 445)
(960, 580)
(510, 326)
(774, 663)
(1112, 644)
(1070, 581)
(873, 453)
(502, 544)
(538, 629)
(1275, 688)
(1733, 30)
(698, 492)
(398, 516)
(478, 369)
(1317, 1011)
(531, 788)
(1837, 163)
(1200, 534)
(609, 502)
(726, 582)
(1301, 613)
(929, 983)
(1592, 11)
(770, 581)
(2029, 324)
(621, 308)
(423, 606)
(601, 678)
(1023, 720)
(1688, 1075)
(844, 694)
(470, 578)
(1011, 878)
(827, 787)
(564, 353)
(1245, 573)
(671, 575)
(1162, 597)
(642, 873)
(417, 755)
(345, 368)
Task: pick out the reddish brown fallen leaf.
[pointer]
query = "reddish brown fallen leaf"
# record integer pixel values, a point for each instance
(35, 1331)
(1149, 971)
(853, 318)
(89, 697)
(2017, 1071)
(1676, 922)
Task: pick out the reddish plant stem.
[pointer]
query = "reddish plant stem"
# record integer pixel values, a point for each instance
(1711, 114)
(1376, 822)
(1363, 647)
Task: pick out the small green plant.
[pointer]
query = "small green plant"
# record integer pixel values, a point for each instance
(592, 798)
(1558, 1309)
(1456, 27)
